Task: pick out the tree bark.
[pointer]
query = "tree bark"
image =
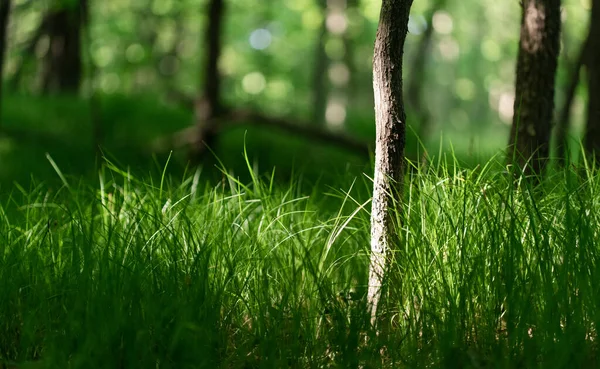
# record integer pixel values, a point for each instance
(4, 12)
(63, 65)
(389, 147)
(592, 132)
(534, 96)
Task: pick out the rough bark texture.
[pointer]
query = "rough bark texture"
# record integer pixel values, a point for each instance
(4, 11)
(389, 149)
(534, 96)
(562, 125)
(592, 132)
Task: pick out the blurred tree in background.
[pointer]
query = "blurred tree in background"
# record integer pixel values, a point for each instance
(302, 67)
(4, 12)
(592, 134)
(536, 70)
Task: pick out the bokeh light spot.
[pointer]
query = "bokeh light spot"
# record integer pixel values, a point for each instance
(491, 50)
(103, 56)
(449, 49)
(135, 53)
(335, 115)
(336, 23)
(260, 39)
(339, 74)
(465, 89)
(254, 83)
(442, 23)
(312, 19)
(506, 107)
(109, 83)
(417, 24)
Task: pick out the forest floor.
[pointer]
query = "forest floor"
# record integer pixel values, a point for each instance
(146, 262)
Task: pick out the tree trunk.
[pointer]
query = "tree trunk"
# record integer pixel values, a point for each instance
(209, 106)
(562, 125)
(63, 65)
(27, 54)
(212, 77)
(418, 75)
(534, 96)
(4, 12)
(389, 149)
(592, 132)
(320, 71)
(352, 87)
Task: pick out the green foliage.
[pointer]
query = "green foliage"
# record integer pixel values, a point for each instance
(152, 46)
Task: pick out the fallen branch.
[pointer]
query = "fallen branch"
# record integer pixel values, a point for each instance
(198, 135)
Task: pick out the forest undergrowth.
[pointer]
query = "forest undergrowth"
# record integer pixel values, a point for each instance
(179, 273)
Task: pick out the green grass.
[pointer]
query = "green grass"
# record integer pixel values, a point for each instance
(138, 272)
(141, 264)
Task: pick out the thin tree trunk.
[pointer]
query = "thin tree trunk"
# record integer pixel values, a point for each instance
(417, 74)
(534, 96)
(320, 71)
(95, 106)
(209, 106)
(63, 69)
(352, 86)
(592, 132)
(389, 149)
(4, 12)
(562, 125)
(27, 53)
(212, 76)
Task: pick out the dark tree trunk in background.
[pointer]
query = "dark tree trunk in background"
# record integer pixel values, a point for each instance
(209, 106)
(534, 96)
(320, 71)
(352, 88)
(389, 149)
(4, 12)
(63, 65)
(27, 54)
(417, 75)
(562, 125)
(592, 131)
(212, 77)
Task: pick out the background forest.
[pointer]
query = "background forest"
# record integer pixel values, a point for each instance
(142, 64)
(187, 184)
